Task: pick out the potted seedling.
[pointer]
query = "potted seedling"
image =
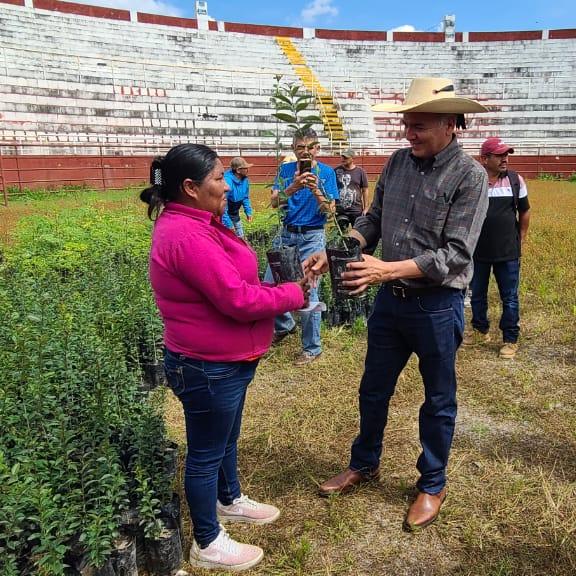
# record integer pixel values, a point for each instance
(340, 250)
(291, 108)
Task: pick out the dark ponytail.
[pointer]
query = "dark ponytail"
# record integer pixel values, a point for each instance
(186, 161)
(154, 195)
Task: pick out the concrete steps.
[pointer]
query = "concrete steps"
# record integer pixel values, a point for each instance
(327, 107)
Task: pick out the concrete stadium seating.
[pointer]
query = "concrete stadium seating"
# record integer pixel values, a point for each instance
(68, 78)
(529, 85)
(73, 80)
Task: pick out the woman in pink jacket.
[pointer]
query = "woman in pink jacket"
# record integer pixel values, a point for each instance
(218, 321)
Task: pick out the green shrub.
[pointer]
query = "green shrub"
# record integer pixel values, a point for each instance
(81, 442)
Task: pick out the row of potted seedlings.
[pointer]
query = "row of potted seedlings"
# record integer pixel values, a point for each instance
(86, 468)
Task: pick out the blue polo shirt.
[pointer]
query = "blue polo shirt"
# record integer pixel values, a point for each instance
(302, 208)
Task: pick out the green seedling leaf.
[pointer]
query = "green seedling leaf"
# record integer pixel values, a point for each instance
(284, 117)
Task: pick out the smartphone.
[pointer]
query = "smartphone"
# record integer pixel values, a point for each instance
(305, 166)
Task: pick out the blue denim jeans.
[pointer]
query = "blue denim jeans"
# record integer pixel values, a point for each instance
(431, 326)
(212, 395)
(237, 222)
(507, 276)
(308, 243)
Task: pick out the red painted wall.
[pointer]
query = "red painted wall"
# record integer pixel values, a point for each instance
(166, 20)
(54, 171)
(82, 9)
(504, 36)
(122, 171)
(354, 35)
(418, 37)
(357, 35)
(264, 30)
(562, 34)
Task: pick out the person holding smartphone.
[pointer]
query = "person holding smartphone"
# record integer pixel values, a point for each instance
(306, 190)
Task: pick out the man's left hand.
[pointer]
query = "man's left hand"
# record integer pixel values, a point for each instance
(249, 218)
(360, 275)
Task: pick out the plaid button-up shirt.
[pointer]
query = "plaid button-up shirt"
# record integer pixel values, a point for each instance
(429, 211)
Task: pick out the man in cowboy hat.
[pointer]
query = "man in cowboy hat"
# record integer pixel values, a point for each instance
(238, 195)
(428, 209)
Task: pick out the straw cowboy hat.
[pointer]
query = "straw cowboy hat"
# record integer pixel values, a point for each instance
(433, 95)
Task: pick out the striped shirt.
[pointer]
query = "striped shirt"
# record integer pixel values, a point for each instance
(302, 209)
(500, 237)
(430, 211)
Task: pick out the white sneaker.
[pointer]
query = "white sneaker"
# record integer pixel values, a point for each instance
(224, 553)
(244, 509)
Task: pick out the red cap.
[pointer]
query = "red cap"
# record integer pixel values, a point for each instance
(495, 146)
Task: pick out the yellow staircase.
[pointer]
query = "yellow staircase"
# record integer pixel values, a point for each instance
(328, 111)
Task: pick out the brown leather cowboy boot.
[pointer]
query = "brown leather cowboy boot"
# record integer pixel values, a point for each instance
(424, 510)
(346, 480)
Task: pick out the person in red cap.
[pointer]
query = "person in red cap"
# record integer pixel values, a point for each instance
(499, 247)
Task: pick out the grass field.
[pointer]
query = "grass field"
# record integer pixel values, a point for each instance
(511, 507)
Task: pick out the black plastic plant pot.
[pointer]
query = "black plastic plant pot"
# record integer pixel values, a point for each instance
(171, 513)
(153, 375)
(171, 459)
(285, 264)
(165, 553)
(130, 519)
(339, 254)
(124, 557)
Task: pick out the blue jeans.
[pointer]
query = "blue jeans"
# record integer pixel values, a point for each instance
(237, 222)
(308, 243)
(431, 326)
(212, 395)
(507, 276)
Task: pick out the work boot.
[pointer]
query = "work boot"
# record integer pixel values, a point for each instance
(508, 350)
(476, 338)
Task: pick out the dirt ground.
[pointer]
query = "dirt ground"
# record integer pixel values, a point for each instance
(511, 506)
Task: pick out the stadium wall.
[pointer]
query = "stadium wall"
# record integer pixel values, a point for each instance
(264, 30)
(105, 172)
(60, 100)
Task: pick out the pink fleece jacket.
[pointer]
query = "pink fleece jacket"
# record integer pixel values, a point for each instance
(205, 280)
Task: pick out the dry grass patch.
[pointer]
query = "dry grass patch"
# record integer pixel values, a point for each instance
(511, 508)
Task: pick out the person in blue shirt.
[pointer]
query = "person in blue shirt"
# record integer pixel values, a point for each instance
(306, 198)
(238, 195)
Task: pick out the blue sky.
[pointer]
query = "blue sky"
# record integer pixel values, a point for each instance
(374, 14)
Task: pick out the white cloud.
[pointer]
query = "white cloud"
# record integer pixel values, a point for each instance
(153, 6)
(317, 8)
(404, 28)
